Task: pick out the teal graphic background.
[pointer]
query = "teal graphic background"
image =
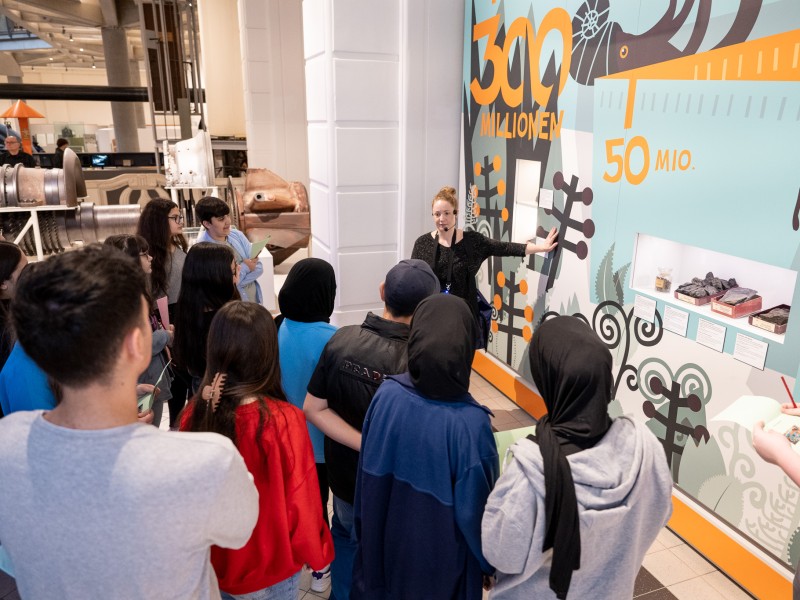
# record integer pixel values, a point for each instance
(737, 199)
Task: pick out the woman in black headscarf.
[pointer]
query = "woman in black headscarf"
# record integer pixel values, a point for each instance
(428, 462)
(306, 305)
(584, 481)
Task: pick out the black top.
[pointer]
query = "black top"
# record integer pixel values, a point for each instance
(20, 157)
(470, 253)
(58, 159)
(354, 362)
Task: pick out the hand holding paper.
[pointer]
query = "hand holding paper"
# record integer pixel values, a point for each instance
(777, 450)
(788, 409)
(769, 444)
(146, 402)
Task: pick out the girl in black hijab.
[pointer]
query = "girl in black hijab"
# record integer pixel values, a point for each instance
(582, 477)
(308, 293)
(572, 370)
(306, 304)
(440, 365)
(428, 462)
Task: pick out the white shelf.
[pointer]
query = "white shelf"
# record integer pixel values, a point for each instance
(706, 312)
(774, 284)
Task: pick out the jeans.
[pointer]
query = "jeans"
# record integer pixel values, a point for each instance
(344, 544)
(288, 589)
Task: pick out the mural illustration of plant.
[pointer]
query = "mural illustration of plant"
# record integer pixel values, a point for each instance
(566, 222)
(617, 329)
(676, 403)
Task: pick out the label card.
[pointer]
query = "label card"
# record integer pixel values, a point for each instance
(750, 351)
(675, 320)
(711, 334)
(644, 308)
(163, 311)
(546, 199)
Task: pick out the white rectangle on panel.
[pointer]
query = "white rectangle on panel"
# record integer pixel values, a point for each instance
(750, 350)
(526, 192)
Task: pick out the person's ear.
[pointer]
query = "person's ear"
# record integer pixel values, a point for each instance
(205, 224)
(137, 350)
(381, 289)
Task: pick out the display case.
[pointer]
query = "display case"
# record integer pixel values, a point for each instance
(775, 285)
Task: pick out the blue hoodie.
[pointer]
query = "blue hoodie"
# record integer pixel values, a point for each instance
(425, 471)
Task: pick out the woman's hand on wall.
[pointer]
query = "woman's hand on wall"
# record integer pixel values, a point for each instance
(549, 243)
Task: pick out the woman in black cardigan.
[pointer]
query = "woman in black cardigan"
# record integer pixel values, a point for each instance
(456, 255)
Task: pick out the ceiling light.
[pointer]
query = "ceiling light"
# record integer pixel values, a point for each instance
(94, 66)
(51, 58)
(70, 38)
(81, 49)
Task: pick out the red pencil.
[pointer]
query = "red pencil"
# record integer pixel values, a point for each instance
(788, 392)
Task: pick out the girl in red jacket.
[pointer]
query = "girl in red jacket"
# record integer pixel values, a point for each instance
(241, 398)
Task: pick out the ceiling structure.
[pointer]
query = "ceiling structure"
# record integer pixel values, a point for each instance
(71, 29)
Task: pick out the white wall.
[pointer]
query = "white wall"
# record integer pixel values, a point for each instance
(383, 108)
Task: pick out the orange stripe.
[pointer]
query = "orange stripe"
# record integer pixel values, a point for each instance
(747, 570)
(629, 106)
(745, 61)
(511, 386)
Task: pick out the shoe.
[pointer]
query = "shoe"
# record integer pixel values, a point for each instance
(321, 580)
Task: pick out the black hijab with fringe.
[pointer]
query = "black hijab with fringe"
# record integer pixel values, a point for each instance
(308, 293)
(572, 369)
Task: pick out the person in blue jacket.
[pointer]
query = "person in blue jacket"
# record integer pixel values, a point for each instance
(215, 217)
(428, 463)
(23, 385)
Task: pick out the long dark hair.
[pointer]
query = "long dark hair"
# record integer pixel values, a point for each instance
(206, 286)
(10, 256)
(134, 246)
(154, 227)
(242, 344)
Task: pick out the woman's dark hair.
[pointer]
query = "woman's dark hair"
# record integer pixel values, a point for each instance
(61, 142)
(242, 345)
(10, 255)
(206, 286)
(133, 246)
(154, 227)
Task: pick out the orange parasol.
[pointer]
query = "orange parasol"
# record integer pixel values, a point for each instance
(22, 112)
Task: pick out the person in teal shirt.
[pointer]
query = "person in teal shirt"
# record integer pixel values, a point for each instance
(306, 305)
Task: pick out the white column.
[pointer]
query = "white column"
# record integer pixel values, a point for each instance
(383, 108)
(271, 38)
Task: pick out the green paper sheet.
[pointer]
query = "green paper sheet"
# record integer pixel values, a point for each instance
(257, 247)
(506, 439)
(748, 410)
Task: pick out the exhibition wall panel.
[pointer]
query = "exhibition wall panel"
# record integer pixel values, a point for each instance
(652, 141)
